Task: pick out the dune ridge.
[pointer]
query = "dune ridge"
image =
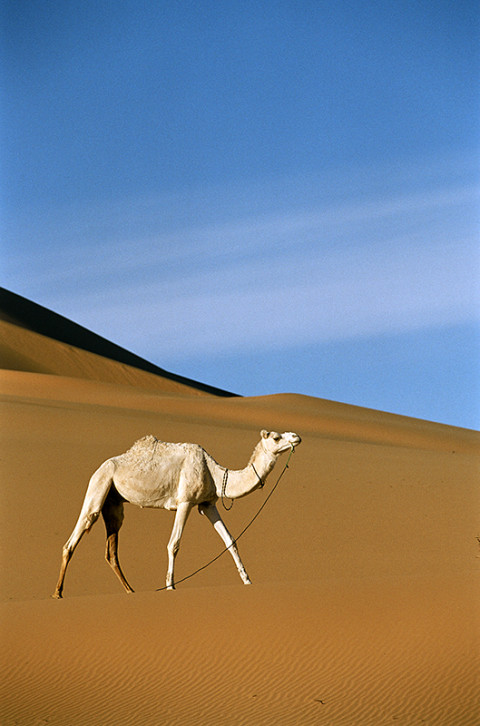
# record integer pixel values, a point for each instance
(364, 608)
(327, 418)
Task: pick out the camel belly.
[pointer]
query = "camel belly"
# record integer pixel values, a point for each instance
(148, 489)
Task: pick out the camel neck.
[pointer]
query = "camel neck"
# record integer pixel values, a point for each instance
(241, 482)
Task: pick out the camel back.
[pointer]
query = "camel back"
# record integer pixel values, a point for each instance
(149, 451)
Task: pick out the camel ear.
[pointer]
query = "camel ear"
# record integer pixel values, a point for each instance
(264, 434)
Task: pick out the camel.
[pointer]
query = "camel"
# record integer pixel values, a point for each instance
(176, 477)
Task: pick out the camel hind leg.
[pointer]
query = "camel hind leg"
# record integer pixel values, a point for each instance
(97, 491)
(112, 513)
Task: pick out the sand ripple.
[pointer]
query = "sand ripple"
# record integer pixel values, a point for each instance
(230, 656)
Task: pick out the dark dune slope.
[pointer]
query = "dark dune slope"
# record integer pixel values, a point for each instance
(36, 318)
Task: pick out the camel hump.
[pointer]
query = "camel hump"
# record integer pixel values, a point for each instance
(146, 443)
(149, 446)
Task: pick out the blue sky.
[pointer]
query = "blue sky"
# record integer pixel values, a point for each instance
(264, 196)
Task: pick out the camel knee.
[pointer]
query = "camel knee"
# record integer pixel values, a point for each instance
(84, 524)
(173, 547)
(90, 520)
(67, 552)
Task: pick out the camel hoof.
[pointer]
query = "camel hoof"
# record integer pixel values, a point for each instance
(57, 596)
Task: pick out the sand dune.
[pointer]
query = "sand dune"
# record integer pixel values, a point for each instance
(364, 607)
(34, 338)
(25, 350)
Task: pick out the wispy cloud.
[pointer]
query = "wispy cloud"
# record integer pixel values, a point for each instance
(263, 275)
(339, 295)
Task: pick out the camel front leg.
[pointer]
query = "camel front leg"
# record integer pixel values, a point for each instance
(173, 546)
(214, 517)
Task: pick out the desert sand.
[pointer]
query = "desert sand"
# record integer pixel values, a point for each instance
(364, 562)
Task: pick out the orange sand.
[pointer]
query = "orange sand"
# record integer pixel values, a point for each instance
(364, 607)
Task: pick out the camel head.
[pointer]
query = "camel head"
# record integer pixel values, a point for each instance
(275, 444)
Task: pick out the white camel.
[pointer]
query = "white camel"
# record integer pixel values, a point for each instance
(176, 477)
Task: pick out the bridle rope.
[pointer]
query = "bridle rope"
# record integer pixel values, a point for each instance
(260, 480)
(224, 491)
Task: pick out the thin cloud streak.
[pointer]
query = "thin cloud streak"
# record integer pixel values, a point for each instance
(337, 296)
(63, 245)
(264, 275)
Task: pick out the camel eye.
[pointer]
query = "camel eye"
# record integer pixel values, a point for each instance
(276, 437)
